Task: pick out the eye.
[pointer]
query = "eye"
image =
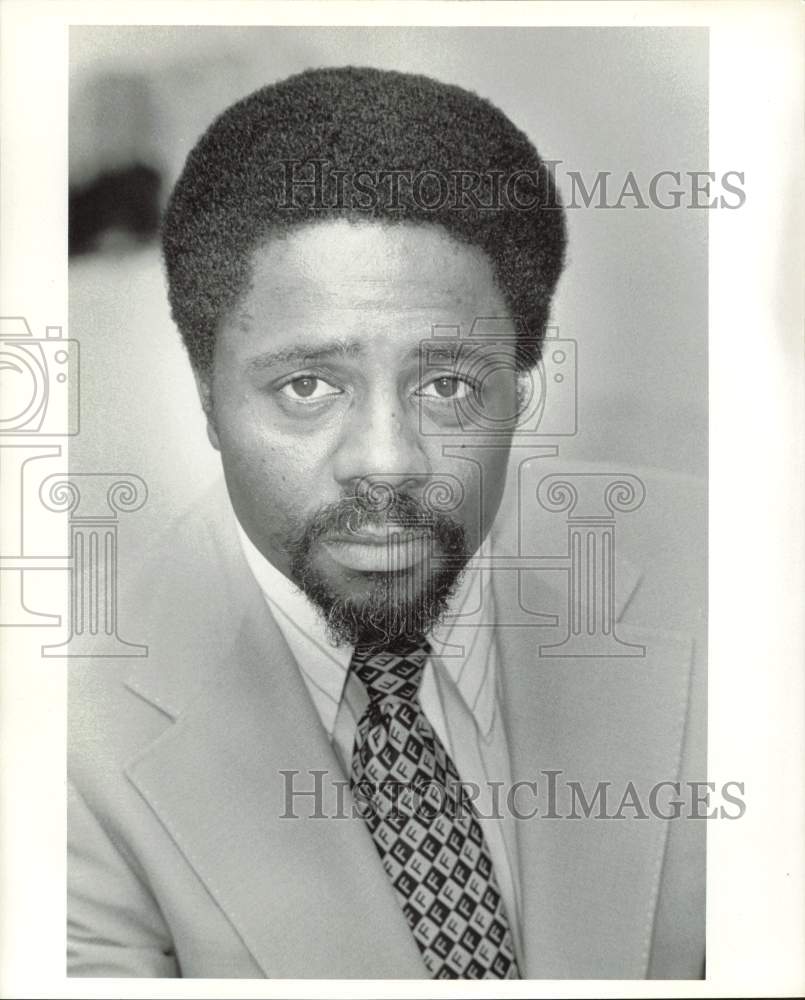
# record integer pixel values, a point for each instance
(447, 387)
(305, 387)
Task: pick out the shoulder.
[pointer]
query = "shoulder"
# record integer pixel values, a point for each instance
(655, 520)
(181, 608)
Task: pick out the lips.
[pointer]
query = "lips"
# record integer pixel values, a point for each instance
(385, 550)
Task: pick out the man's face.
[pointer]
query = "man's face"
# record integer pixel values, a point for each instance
(332, 428)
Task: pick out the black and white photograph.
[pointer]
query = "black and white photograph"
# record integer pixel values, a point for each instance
(457, 565)
(373, 461)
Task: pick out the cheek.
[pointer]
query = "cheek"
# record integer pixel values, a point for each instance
(272, 482)
(260, 485)
(495, 463)
(481, 477)
(255, 450)
(482, 471)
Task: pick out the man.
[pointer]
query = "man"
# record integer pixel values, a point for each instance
(328, 765)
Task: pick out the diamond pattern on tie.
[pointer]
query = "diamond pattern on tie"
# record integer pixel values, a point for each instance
(424, 826)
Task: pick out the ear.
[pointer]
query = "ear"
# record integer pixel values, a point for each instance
(204, 389)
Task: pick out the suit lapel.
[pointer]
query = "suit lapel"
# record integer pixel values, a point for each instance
(590, 884)
(306, 893)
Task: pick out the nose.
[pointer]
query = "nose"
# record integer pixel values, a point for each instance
(380, 444)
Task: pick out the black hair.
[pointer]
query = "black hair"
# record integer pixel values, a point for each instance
(360, 143)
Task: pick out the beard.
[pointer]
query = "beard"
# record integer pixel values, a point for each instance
(393, 606)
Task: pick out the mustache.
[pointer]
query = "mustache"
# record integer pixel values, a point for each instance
(355, 513)
(401, 511)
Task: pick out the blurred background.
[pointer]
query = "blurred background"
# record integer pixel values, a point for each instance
(633, 297)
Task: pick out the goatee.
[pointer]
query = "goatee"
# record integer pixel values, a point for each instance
(396, 605)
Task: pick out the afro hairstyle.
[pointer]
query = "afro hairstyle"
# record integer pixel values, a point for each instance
(340, 127)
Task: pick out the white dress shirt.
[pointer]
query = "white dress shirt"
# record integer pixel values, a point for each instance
(459, 694)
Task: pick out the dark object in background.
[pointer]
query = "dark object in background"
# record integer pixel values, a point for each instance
(123, 202)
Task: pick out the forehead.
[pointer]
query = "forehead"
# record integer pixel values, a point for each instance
(363, 279)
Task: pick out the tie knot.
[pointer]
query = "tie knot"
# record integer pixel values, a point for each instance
(393, 671)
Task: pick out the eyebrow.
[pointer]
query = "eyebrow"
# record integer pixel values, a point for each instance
(301, 353)
(307, 353)
(445, 352)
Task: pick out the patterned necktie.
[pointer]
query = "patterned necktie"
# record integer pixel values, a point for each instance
(425, 828)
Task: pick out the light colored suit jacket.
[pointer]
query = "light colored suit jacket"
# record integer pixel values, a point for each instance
(180, 862)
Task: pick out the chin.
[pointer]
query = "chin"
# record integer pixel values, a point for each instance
(356, 585)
